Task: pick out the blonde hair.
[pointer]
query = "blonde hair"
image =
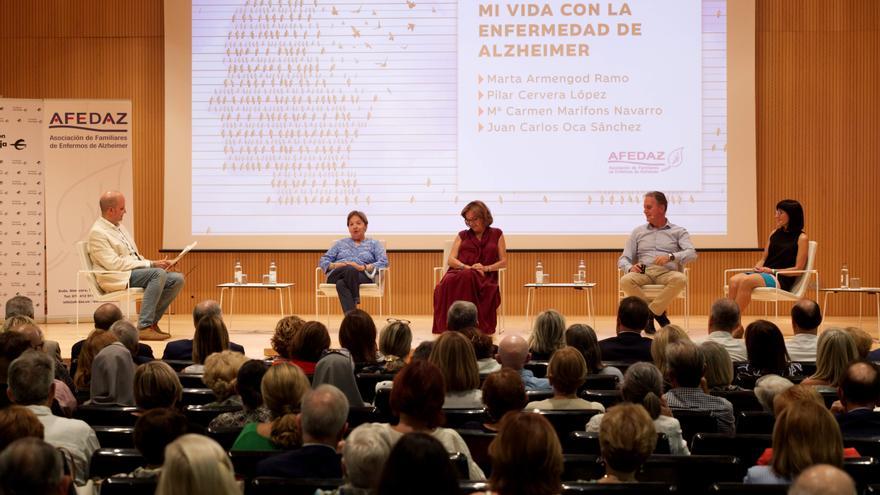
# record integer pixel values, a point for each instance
(804, 435)
(567, 370)
(283, 387)
(395, 343)
(16, 321)
(794, 394)
(221, 371)
(196, 464)
(454, 354)
(626, 437)
(834, 351)
(862, 339)
(211, 336)
(156, 385)
(669, 334)
(548, 332)
(719, 367)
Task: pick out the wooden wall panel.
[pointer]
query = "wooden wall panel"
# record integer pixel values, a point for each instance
(817, 74)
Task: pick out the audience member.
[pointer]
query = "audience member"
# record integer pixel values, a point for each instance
(863, 341)
(859, 392)
(113, 374)
(724, 322)
(822, 479)
(153, 432)
(19, 305)
(323, 422)
(526, 456)
(643, 385)
(719, 368)
(196, 464)
(105, 316)
(835, 350)
(364, 455)
(461, 315)
(95, 343)
(513, 353)
(805, 320)
(357, 333)
(548, 335)
(626, 439)
(454, 355)
(31, 385)
(12, 345)
(285, 330)
(211, 336)
(503, 391)
(766, 353)
(583, 338)
(221, 372)
(395, 344)
(768, 387)
(18, 422)
(13, 322)
(337, 368)
(567, 372)
(247, 386)
(32, 466)
(418, 463)
(484, 350)
(423, 350)
(283, 387)
(685, 366)
(667, 334)
(156, 385)
(628, 345)
(309, 345)
(34, 334)
(794, 394)
(182, 350)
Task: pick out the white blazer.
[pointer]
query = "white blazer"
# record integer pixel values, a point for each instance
(112, 248)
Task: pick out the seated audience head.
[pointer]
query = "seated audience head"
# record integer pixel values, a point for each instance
(583, 338)
(417, 395)
(395, 343)
(483, 346)
(806, 316)
(626, 438)
(357, 333)
(221, 373)
(106, 315)
(364, 455)
(249, 381)
(31, 378)
(632, 315)
(34, 467)
(18, 422)
(526, 456)
(285, 330)
(685, 364)
(668, 334)
(794, 395)
(112, 376)
(283, 387)
(567, 371)
(324, 414)
(860, 386)
(834, 351)
(863, 341)
(765, 347)
(822, 479)
(724, 316)
(513, 352)
(211, 336)
(196, 464)
(643, 385)
(719, 367)
(418, 463)
(337, 368)
(454, 355)
(503, 391)
(154, 430)
(12, 345)
(208, 307)
(423, 350)
(19, 306)
(33, 333)
(13, 322)
(126, 333)
(310, 342)
(768, 387)
(548, 333)
(156, 385)
(805, 434)
(461, 315)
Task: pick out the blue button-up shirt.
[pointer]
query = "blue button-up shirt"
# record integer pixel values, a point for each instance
(647, 242)
(368, 252)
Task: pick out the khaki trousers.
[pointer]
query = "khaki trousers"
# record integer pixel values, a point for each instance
(631, 285)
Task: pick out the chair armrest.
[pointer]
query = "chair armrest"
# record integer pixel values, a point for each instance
(102, 271)
(437, 273)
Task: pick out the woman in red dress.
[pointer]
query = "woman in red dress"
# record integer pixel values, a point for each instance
(477, 255)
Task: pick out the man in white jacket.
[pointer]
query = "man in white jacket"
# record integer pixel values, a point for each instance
(112, 248)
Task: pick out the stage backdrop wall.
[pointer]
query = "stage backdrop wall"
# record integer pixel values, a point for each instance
(817, 70)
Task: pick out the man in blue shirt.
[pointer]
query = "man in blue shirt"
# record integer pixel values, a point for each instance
(513, 353)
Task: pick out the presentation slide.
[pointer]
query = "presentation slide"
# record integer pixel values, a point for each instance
(283, 116)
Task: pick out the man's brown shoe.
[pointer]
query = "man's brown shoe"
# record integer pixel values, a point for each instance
(156, 328)
(148, 333)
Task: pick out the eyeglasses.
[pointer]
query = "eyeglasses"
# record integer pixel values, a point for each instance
(471, 220)
(395, 320)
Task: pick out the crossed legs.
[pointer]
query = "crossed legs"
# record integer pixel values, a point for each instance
(740, 288)
(160, 288)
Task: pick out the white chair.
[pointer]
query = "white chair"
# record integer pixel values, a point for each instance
(439, 271)
(775, 294)
(88, 272)
(653, 290)
(381, 284)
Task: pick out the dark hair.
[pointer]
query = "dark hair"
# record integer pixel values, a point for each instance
(106, 315)
(483, 346)
(357, 333)
(30, 465)
(359, 214)
(583, 338)
(418, 463)
(12, 345)
(481, 210)
(310, 342)
(211, 336)
(633, 313)
(503, 391)
(685, 362)
(765, 347)
(795, 213)
(422, 351)
(659, 197)
(863, 388)
(419, 391)
(725, 314)
(806, 314)
(154, 430)
(248, 382)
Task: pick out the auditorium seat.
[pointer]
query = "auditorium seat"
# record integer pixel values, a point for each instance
(693, 422)
(567, 421)
(202, 415)
(582, 442)
(621, 365)
(120, 437)
(866, 446)
(748, 489)
(468, 487)
(828, 395)
(197, 396)
(366, 383)
(478, 443)
(383, 402)
(106, 415)
(642, 488)
(864, 470)
(538, 367)
(747, 446)
(108, 462)
(755, 422)
(129, 486)
(191, 380)
(742, 400)
(286, 486)
(600, 382)
(460, 418)
(244, 462)
(225, 436)
(808, 368)
(178, 365)
(607, 398)
(460, 462)
(358, 415)
(535, 395)
(692, 473)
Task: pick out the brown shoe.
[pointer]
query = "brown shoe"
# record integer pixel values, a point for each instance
(156, 328)
(147, 333)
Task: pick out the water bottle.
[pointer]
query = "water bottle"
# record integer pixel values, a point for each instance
(237, 272)
(539, 273)
(582, 272)
(273, 273)
(844, 277)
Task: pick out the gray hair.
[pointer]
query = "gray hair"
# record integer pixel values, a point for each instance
(30, 378)
(30, 465)
(768, 387)
(126, 333)
(208, 307)
(461, 315)
(366, 449)
(724, 314)
(324, 411)
(643, 384)
(20, 306)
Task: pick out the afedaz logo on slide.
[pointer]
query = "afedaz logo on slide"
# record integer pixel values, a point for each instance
(644, 161)
(90, 121)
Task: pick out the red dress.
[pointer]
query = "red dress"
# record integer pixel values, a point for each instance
(468, 285)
